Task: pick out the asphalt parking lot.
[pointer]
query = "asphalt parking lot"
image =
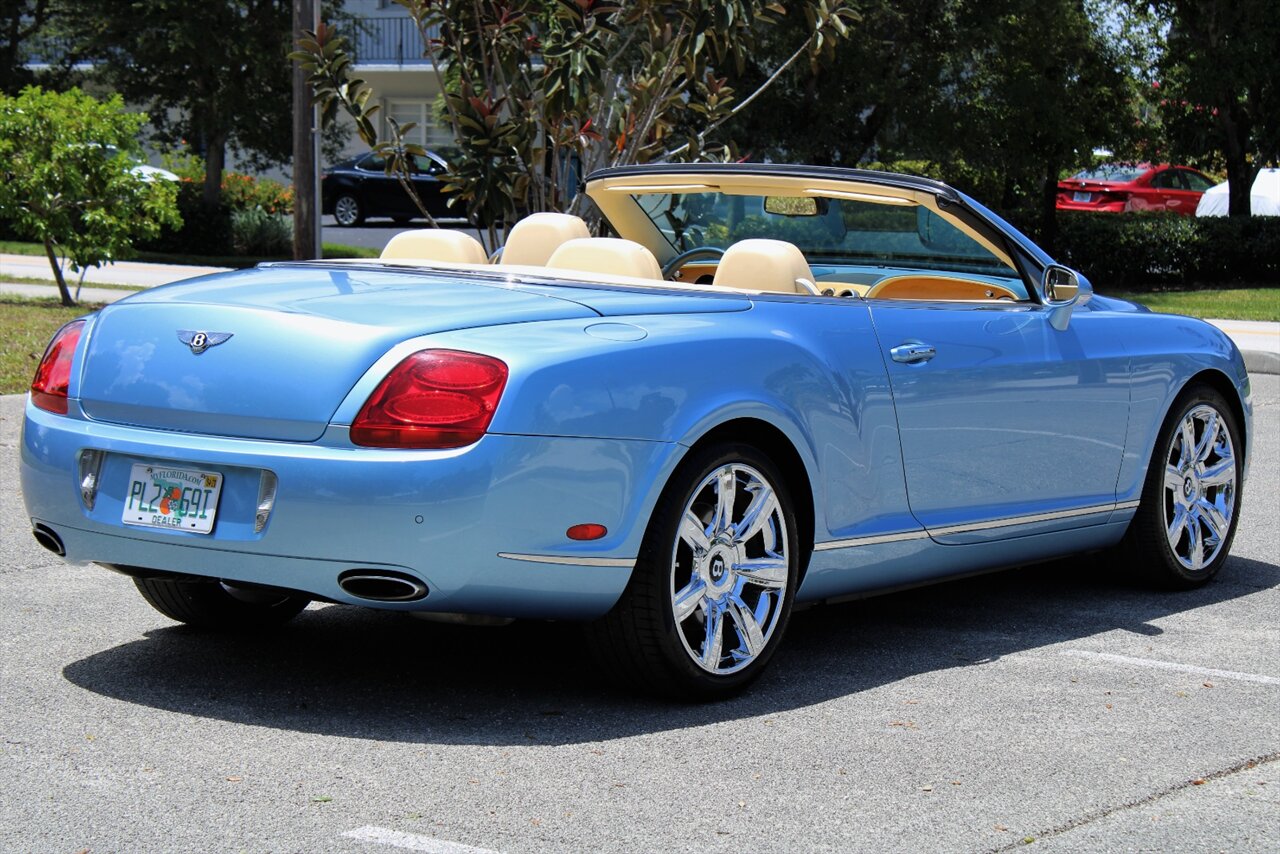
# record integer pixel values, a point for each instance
(1054, 705)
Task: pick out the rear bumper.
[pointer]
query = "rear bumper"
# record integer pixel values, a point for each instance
(445, 517)
(1107, 207)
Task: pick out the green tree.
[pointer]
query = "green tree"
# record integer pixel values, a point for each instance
(864, 104)
(213, 74)
(20, 22)
(1220, 86)
(996, 96)
(1034, 89)
(65, 178)
(538, 91)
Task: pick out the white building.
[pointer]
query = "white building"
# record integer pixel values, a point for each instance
(389, 57)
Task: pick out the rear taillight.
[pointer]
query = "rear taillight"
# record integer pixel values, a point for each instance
(433, 399)
(49, 388)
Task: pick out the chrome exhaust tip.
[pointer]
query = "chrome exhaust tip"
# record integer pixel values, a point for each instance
(49, 538)
(381, 585)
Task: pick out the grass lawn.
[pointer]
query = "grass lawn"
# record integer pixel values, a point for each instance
(331, 250)
(26, 325)
(1261, 303)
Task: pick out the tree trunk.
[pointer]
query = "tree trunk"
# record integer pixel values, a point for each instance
(1240, 175)
(1049, 210)
(215, 158)
(63, 291)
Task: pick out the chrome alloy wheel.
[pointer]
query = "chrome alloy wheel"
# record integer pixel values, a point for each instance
(346, 210)
(1199, 487)
(730, 569)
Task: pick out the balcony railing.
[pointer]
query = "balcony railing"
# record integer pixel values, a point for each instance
(393, 40)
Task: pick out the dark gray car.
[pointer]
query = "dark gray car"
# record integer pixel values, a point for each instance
(359, 188)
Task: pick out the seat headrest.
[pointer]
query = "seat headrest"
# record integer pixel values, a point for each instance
(533, 239)
(606, 255)
(436, 244)
(764, 265)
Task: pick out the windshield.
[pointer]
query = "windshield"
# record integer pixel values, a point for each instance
(827, 230)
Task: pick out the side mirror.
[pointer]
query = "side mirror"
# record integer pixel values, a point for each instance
(1063, 289)
(1061, 285)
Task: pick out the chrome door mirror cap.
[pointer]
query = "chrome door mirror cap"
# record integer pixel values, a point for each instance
(1063, 289)
(1063, 286)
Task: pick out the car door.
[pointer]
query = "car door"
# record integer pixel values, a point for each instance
(428, 184)
(383, 195)
(1008, 424)
(1197, 184)
(1173, 193)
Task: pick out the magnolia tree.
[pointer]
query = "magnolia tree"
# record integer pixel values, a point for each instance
(540, 92)
(66, 179)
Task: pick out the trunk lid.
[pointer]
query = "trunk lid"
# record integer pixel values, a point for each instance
(300, 338)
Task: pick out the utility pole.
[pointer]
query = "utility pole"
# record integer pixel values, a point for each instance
(306, 146)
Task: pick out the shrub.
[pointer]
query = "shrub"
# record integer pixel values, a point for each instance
(260, 232)
(65, 179)
(1141, 251)
(244, 193)
(203, 232)
(1239, 249)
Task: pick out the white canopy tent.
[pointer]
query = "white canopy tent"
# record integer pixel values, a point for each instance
(1264, 197)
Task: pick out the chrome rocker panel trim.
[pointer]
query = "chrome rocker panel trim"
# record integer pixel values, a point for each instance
(612, 562)
(1003, 522)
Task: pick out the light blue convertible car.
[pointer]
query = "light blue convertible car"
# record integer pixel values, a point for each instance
(774, 385)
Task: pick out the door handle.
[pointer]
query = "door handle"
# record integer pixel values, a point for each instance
(912, 354)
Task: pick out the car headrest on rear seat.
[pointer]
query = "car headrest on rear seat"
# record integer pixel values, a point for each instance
(611, 255)
(436, 244)
(765, 265)
(533, 239)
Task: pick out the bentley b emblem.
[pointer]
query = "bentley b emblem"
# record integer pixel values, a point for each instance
(201, 341)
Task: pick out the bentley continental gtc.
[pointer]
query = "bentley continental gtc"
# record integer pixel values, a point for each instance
(773, 385)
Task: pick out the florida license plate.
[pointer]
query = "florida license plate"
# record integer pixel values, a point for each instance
(1081, 197)
(166, 497)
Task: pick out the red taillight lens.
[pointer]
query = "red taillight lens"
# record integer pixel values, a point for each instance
(433, 399)
(49, 388)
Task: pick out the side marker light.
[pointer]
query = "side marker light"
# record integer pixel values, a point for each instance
(589, 531)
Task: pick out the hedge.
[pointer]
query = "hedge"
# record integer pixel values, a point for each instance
(1138, 251)
(248, 215)
(203, 231)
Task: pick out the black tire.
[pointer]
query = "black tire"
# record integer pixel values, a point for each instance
(347, 211)
(207, 604)
(1147, 549)
(641, 643)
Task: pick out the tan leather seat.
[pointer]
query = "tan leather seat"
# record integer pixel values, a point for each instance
(535, 238)
(611, 255)
(765, 265)
(436, 244)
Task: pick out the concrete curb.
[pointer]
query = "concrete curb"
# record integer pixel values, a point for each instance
(1259, 362)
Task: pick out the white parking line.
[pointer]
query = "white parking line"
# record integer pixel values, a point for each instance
(413, 841)
(1169, 665)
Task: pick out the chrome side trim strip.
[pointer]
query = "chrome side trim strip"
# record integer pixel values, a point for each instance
(1128, 505)
(619, 562)
(1023, 520)
(872, 541)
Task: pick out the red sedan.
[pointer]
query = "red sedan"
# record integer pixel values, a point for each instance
(1117, 187)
